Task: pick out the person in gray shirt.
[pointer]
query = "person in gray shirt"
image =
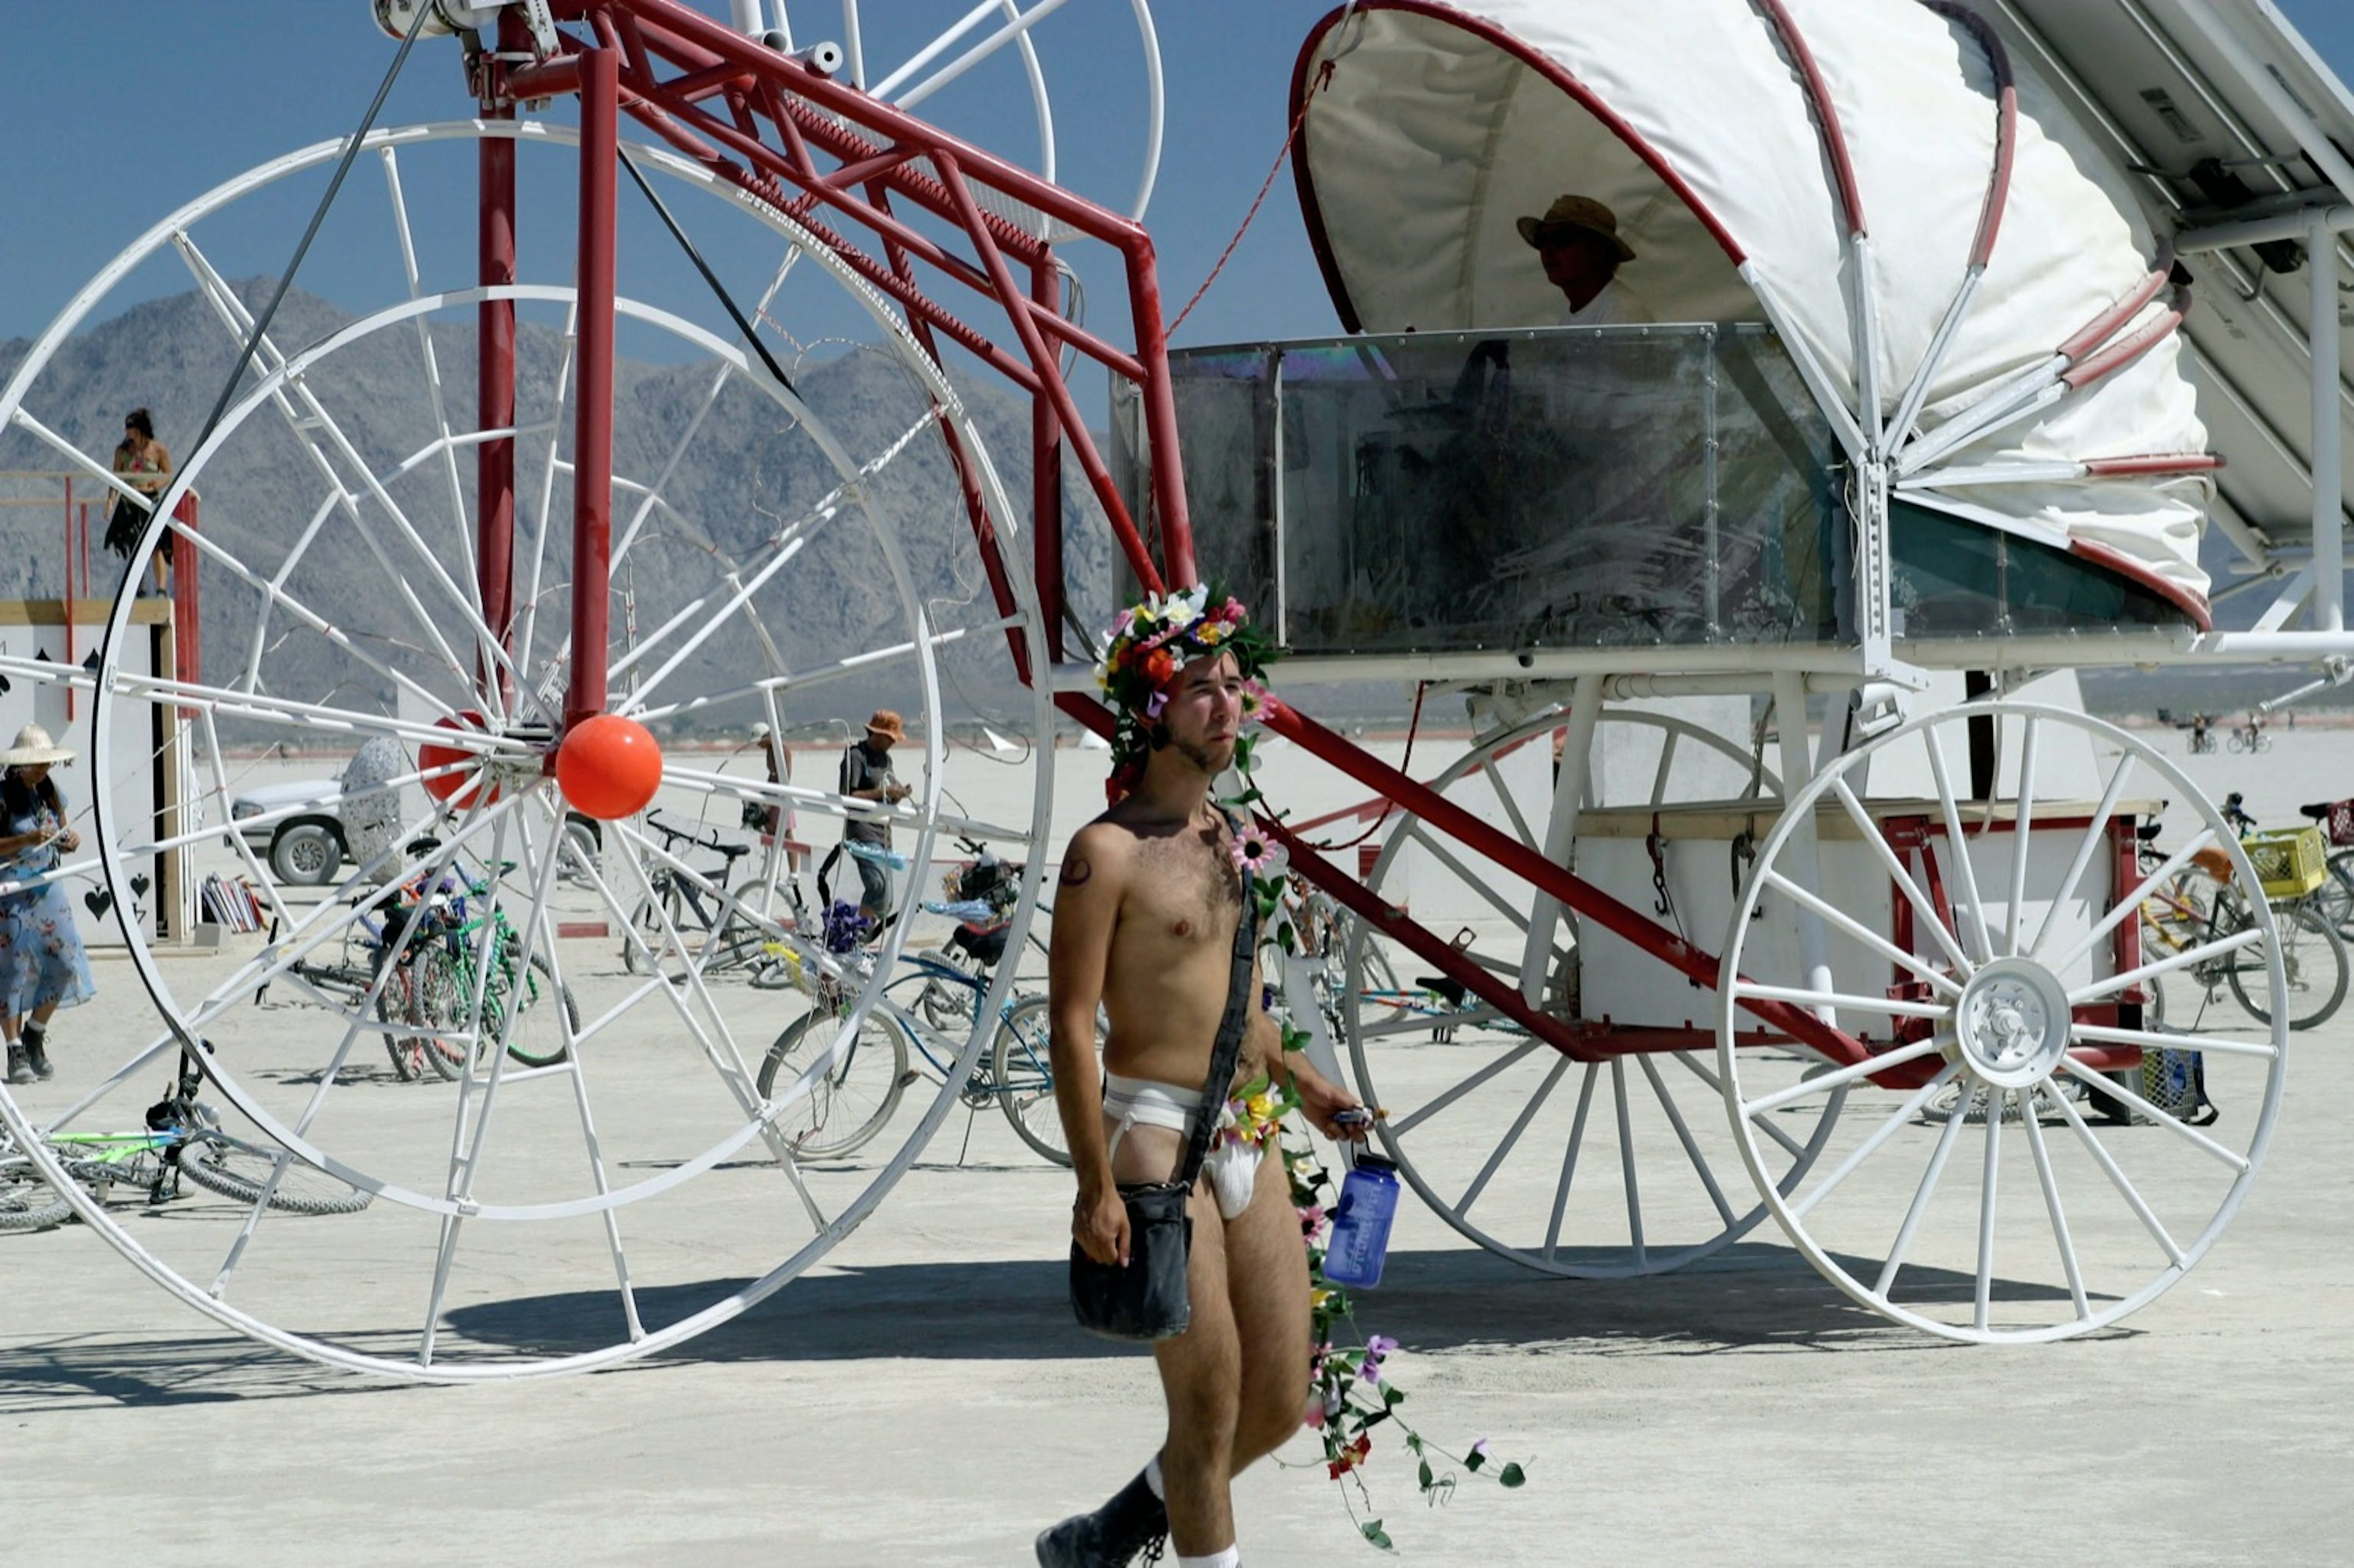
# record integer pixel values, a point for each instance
(866, 775)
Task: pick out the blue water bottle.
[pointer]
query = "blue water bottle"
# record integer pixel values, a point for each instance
(1361, 1226)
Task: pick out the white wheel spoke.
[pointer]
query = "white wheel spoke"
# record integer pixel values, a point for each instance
(2150, 1040)
(1683, 1135)
(1965, 876)
(2096, 833)
(1416, 1023)
(1834, 916)
(2186, 959)
(1569, 1156)
(1998, 1100)
(1901, 1116)
(1627, 1161)
(1795, 1149)
(2044, 1179)
(1479, 884)
(1877, 841)
(2100, 1084)
(1823, 1083)
(1511, 808)
(2127, 907)
(1801, 996)
(1400, 1128)
(2021, 836)
(800, 684)
(1921, 1195)
(1513, 1137)
(2118, 1179)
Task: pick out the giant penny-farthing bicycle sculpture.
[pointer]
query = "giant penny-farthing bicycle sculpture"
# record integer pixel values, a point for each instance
(534, 586)
(1854, 454)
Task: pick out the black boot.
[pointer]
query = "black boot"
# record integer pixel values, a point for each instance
(19, 1070)
(36, 1057)
(1133, 1522)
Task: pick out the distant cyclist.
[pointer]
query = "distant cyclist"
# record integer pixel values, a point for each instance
(866, 775)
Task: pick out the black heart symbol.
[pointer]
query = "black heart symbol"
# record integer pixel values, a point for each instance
(99, 901)
(139, 885)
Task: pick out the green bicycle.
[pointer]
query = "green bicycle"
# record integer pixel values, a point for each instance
(460, 950)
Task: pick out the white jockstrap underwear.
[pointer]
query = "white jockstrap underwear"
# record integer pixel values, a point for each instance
(1232, 1168)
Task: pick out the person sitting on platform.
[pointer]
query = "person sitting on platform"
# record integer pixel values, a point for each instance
(1577, 243)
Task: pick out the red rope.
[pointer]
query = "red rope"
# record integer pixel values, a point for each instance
(1322, 77)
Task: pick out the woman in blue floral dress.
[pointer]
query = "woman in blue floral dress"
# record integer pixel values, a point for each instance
(42, 965)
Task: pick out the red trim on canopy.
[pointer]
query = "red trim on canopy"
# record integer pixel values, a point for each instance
(2142, 574)
(2006, 124)
(1313, 212)
(1827, 122)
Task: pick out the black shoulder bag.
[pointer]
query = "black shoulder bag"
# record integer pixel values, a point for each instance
(1148, 1298)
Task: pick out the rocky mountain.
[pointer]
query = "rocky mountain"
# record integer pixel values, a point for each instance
(734, 474)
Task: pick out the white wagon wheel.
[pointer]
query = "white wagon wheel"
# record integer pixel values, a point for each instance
(617, 1199)
(1597, 1171)
(2010, 1010)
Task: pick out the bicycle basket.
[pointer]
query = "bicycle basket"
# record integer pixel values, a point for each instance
(2289, 861)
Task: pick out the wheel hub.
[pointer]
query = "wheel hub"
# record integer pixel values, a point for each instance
(2012, 1022)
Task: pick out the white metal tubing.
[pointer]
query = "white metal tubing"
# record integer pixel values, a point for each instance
(2328, 469)
(1814, 952)
(2272, 93)
(1828, 396)
(1561, 830)
(1908, 411)
(2294, 224)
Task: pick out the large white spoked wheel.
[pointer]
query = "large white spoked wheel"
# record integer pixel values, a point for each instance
(604, 1177)
(2002, 1174)
(1605, 1169)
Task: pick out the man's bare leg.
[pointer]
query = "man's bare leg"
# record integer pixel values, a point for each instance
(1237, 1380)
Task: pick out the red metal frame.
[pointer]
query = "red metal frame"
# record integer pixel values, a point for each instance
(895, 200)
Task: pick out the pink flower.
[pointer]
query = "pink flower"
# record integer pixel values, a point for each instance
(1311, 1221)
(1256, 853)
(1315, 1415)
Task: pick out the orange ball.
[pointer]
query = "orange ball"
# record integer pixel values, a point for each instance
(608, 766)
(460, 787)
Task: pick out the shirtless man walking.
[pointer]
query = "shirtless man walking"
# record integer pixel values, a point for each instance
(1144, 923)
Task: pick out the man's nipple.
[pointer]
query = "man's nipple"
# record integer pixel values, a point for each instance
(1183, 928)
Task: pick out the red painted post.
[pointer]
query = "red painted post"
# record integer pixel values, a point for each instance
(1046, 480)
(495, 409)
(592, 440)
(187, 643)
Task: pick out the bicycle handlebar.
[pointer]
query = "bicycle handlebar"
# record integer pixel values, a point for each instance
(673, 836)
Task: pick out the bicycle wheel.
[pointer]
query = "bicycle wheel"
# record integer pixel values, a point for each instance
(1026, 1079)
(2313, 966)
(239, 1171)
(540, 1037)
(401, 1008)
(437, 1008)
(2335, 897)
(658, 927)
(27, 1201)
(848, 1098)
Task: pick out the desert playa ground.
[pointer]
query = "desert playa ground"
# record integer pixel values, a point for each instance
(922, 1397)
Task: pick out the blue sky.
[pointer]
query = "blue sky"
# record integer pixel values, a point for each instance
(115, 126)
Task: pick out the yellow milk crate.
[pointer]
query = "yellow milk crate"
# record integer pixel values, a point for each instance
(2290, 862)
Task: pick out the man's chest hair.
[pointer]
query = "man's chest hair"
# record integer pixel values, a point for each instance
(1186, 880)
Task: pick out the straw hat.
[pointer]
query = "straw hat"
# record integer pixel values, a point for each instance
(887, 724)
(34, 745)
(1576, 212)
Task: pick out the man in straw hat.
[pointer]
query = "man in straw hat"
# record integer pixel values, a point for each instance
(1577, 243)
(42, 965)
(866, 775)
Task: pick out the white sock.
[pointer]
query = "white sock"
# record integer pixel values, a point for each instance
(1230, 1557)
(1152, 1479)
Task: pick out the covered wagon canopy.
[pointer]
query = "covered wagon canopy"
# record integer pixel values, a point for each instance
(1968, 279)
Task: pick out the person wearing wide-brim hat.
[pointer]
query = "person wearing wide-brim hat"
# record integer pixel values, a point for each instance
(1578, 243)
(43, 966)
(866, 775)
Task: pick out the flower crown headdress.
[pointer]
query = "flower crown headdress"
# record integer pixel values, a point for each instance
(1150, 643)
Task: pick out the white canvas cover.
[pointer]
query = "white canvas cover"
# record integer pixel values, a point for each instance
(1439, 126)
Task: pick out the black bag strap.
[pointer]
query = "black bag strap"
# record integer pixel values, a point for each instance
(1228, 1050)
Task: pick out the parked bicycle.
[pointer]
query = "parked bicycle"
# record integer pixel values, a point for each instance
(923, 1014)
(27, 1202)
(183, 1138)
(2200, 905)
(2249, 739)
(696, 918)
